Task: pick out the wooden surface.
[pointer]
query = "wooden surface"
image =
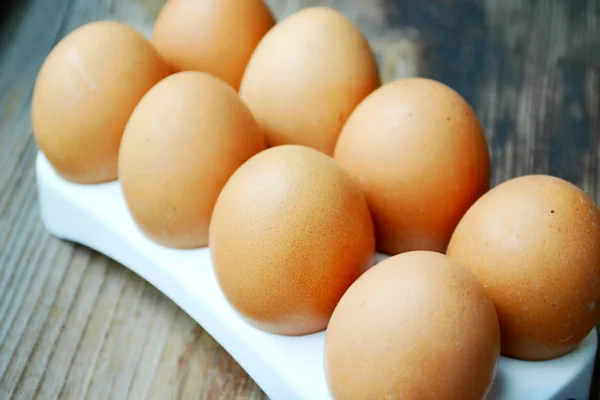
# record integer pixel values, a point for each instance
(74, 324)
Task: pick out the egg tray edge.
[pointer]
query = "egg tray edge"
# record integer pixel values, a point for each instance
(286, 368)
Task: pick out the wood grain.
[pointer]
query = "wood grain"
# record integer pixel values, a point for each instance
(74, 324)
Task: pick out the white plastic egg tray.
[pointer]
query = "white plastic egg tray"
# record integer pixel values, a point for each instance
(286, 368)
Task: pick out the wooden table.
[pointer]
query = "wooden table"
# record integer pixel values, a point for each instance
(75, 324)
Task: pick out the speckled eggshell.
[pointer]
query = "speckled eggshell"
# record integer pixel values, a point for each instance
(290, 233)
(84, 94)
(418, 325)
(534, 243)
(183, 141)
(417, 150)
(213, 36)
(306, 76)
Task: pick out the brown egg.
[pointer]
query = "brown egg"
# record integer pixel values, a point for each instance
(290, 233)
(213, 36)
(183, 141)
(534, 243)
(84, 94)
(416, 326)
(420, 156)
(306, 76)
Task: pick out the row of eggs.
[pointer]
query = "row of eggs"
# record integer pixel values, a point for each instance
(277, 145)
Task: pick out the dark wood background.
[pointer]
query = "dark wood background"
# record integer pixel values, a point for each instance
(74, 324)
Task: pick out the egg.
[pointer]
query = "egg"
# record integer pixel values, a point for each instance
(213, 36)
(418, 151)
(534, 243)
(418, 325)
(84, 94)
(183, 141)
(306, 76)
(290, 233)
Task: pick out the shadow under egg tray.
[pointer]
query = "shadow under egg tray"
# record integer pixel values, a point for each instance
(286, 368)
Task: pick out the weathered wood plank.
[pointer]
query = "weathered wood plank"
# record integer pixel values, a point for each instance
(63, 306)
(29, 311)
(166, 317)
(86, 341)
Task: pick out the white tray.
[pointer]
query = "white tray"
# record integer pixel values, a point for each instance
(286, 368)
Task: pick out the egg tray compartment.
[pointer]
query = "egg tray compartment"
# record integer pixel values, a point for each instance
(286, 368)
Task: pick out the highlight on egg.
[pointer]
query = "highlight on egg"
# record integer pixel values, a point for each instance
(306, 76)
(84, 95)
(184, 140)
(534, 243)
(289, 234)
(418, 325)
(419, 153)
(213, 36)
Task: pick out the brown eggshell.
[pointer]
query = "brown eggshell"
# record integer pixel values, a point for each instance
(416, 326)
(213, 36)
(306, 76)
(183, 141)
(534, 243)
(419, 154)
(84, 94)
(290, 233)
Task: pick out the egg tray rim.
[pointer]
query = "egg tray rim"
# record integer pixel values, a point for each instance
(77, 213)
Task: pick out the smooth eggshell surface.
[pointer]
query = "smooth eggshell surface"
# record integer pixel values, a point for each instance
(415, 326)
(534, 243)
(84, 94)
(417, 150)
(184, 140)
(290, 233)
(213, 36)
(306, 76)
